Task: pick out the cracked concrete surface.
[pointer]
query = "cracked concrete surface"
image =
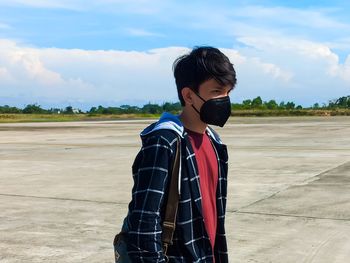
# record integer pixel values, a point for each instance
(64, 189)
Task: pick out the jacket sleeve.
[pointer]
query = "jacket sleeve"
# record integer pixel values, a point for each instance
(150, 174)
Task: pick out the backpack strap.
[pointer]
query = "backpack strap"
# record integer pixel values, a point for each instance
(168, 226)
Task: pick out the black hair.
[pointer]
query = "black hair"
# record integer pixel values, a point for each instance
(202, 64)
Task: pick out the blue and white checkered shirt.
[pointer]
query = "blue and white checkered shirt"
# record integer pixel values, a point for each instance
(151, 170)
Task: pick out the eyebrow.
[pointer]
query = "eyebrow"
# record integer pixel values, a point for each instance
(221, 88)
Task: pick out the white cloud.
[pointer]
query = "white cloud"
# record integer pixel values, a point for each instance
(86, 75)
(342, 71)
(318, 25)
(24, 73)
(269, 69)
(315, 71)
(5, 76)
(310, 53)
(306, 73)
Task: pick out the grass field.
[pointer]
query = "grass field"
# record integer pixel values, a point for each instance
(295, 112)
(8, 118)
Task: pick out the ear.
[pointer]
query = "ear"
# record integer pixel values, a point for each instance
(186, 93)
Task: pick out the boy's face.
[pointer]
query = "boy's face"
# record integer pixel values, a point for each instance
(210, 89)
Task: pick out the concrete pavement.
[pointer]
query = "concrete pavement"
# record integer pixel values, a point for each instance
(64, 189)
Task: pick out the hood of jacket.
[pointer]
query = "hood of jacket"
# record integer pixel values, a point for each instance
(172, 122)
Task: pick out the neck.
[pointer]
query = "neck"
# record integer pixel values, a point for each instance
(191, 120)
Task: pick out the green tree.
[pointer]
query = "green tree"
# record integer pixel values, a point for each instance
(237, 106)
(171, 107)
(343, 102)
(127, 109)
(257, 102)
(271, 105)
(247, 104)
(290, 105)
(68, 110)
(151, 108)
(93, 110)
(33, 109)
(282, 105)
(8, 109)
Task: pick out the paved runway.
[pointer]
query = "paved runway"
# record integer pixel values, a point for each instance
(64, 189)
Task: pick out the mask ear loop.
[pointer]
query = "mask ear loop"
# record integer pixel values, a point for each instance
(198, 97)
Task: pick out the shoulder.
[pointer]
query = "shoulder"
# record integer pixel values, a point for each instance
(162, 138)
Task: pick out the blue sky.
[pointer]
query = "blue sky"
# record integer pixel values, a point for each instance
(111, 52)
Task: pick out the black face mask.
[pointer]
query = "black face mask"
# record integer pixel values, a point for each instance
(215, 111)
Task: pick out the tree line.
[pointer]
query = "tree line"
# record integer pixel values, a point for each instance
(151, 108)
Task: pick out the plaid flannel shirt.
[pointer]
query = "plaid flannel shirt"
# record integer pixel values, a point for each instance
(151, 172)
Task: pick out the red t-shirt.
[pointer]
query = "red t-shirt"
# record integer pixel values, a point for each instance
(208, 177)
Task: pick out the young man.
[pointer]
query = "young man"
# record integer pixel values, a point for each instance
(204, 79)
